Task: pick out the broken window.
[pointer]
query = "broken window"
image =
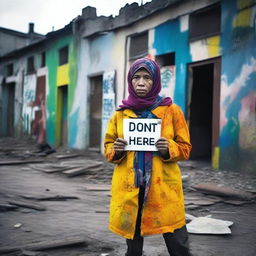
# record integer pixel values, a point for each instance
(166, 59)
(30, 65)
(205, 22)
(138, 45)
(9, 69)
(63, 55)
(43, 59)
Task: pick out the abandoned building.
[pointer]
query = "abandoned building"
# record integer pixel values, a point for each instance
(64, 87)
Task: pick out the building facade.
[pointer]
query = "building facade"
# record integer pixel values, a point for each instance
(206, 51)
(11, 40)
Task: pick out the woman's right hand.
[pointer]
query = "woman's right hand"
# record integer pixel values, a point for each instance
(119, 145)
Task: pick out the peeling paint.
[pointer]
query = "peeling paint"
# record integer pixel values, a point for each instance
(176, 40)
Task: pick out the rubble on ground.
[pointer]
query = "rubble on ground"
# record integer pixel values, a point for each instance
(204, 189)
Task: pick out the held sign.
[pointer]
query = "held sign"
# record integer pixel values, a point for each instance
(141, 134)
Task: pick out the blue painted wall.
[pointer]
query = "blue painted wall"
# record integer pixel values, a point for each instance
(169, 38)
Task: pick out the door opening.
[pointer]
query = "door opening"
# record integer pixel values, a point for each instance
(8, 109)
(63, 115)
(201, 111)
(95, 112)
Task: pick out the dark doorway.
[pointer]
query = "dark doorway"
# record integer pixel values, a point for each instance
(62, 130)
(204, 109)
(95, 112)
(201, 111)
(8, 109)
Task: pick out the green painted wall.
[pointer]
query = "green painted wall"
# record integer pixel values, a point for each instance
(52, 63)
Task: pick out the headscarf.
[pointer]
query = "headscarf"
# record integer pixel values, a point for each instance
(135, 102)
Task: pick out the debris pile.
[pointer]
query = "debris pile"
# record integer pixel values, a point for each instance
(204, 189)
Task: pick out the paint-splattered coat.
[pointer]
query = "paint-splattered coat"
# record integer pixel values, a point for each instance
(164, 210)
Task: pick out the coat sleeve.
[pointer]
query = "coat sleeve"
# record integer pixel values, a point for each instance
(110, 136)
(179, 146)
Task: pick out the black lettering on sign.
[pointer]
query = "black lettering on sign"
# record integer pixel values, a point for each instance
(141, 141)
(151, 141)
(147, 127)
(145, 141)
(132, 127)
(132, 141)
(142, 127)
(154, 127)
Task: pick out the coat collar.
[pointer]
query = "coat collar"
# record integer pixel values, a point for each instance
(129, 113)
(159, 112)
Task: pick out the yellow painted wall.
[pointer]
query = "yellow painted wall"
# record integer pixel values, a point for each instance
(205, 48)
(63, 75)
(213, 46)
(243, 19)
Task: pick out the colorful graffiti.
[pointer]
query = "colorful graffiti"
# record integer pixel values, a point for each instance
(34, 112)
(168, 81)
(28, 112)
(176, 39)
(238, 87)
(39, 123)
(108, 99)
(247, 136)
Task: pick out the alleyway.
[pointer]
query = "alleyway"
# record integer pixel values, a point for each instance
(57, 204)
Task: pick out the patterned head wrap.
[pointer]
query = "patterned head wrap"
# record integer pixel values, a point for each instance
(135, 102)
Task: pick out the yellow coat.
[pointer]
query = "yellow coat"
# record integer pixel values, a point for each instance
(164, 209)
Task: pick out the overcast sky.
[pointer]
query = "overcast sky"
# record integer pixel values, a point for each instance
(52, 14)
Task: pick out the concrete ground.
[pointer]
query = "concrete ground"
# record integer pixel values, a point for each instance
(73, 210)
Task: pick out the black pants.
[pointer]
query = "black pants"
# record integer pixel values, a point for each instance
(176, 243)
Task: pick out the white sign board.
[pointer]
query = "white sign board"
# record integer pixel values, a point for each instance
(141, 134)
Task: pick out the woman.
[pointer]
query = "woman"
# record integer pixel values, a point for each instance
(147, 196)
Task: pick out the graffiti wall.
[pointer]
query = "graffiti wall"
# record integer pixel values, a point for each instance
(38, 124)
(108, 100)
(29, 109)
(238, 86)
(168, 81)
(178, 44)
(95, 57)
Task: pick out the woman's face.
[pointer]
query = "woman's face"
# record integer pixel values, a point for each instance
(142, 83)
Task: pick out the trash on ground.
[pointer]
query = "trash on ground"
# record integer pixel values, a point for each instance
(206, 225)
(18, 225)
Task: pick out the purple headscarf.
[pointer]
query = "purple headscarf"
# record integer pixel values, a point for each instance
(135, 102)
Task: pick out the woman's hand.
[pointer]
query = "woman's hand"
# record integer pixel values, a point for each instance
(163, 147)
(119, 146)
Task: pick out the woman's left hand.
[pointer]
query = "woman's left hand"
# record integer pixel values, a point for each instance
(163, 147)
